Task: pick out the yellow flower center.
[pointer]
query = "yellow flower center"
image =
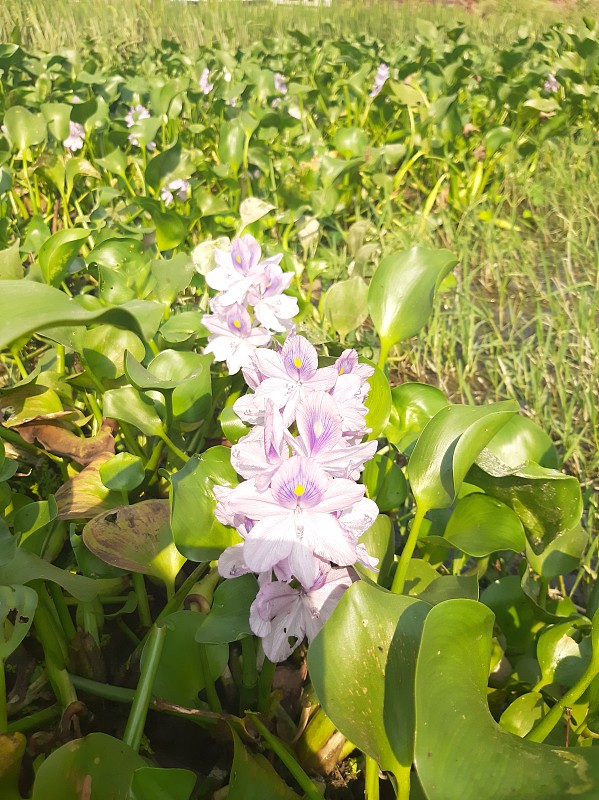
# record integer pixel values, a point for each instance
(318, 429)
(299, 490)
(298, 362)
(238, 259)
(237, 323)
(341, 370)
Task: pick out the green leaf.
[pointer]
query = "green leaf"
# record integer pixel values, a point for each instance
(516, 615)
(58, 117)
(451, 695)
(97, 761)
(12, 750)
(378, 401)
(351, 142)
(122, 473)
(160, 783)
(27, 307)
(104, 347)
(385, 482)
(231, 143)
(519, 441)
(548, 502)
(197, 532)
(180, 677)
(167, 166)
(228, 619)
(128, 405)
(402, 289)
(523, 714)
(254, 778)
(252, 209)
(11, 268)
(561, 658)
(24, 128)
(171, 229)
(346, 305)
(414, 405)
(562, 554)
(136, 538)
(379, 541)
(17, 607)
(172, 276)
(367, 689)
(448, 447)
(480, 525)
(233, 427)
(57, 253)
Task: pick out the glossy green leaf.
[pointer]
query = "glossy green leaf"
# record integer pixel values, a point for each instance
(122, 473)
(562, 555)
(414, 405)
(24, 128)
(561, 658)
(57, 253)
(160, 783)
(231, 144)
(252, 209)
(515, 614)
(104, 348)
(136, 538)
(17, 607)
(480, 525)
(197, 532)
(233, 427)
(170, 227)
(27, 307)
(97, 764)
(520, 440)
(129, 405)
(451, 694)
(180, 677)
(172, 276)
(167, 166)
(228, 619)
(346, 305)
(548, 502)
(367, 689)
(402, 290)
(523, 714)
(448, 447)
(379, 541)
(254, 778)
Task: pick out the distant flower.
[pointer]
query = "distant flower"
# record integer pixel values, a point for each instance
(227, 75)
(295, 112)
(76, 137)
(205, 84)
(280, 83)
(381, 77)
(238, 270)
(136, 114)
(551, 85)
(179, 187)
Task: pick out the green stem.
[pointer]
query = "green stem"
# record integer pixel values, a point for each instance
(62, 610)
(249, 675)
(408, 551)
(541, 731)
(265, 685)
(34, 722)
(371, 779)
(173, 447)
(403, 776)
(49, 637)
(211, 695)
(143, 606)
(3, 710)
(21, 367)
(143, 694)
(60, 358)
(385, 347)
(106, 691)
(281, 751)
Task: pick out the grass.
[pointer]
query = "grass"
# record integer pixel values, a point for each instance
(124, 24)
(520, 322)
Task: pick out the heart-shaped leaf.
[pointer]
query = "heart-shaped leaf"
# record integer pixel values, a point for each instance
(451, 695)
(346, 305)
(129, 405)
(57, 253)
(414, 405)
(480, 525)
(228, 619)
(402, 289)
(17, 607)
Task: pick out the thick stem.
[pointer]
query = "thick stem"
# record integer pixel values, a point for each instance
(34, 722)
(541, 731)
(371, 779)
(3, 710)
(143, 606)
(211, 695)
(143, 693)
(265, 685)
(407, 553)
(249, 678)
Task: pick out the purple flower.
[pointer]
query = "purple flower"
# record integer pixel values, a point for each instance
(295, 519)
(205, 84)
(288, 377)
(179, 186)
(76, 137)
(261, 452)
(234, 339)
(280, 83)
(281, 612)
(272, 308)
(239, 270)
(136, 114)
(381, 77)
(551, 85)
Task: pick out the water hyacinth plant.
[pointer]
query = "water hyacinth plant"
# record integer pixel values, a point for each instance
(235, 522)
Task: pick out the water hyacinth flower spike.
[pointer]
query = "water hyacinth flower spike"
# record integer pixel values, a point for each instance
(76, 137)
(381, 77)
